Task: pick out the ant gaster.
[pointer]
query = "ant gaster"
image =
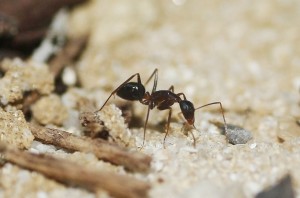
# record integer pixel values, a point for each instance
(162, 99)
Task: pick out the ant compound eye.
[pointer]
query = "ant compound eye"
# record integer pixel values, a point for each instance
(188, 110)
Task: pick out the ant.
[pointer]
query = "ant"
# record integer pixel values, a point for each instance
(162, 99)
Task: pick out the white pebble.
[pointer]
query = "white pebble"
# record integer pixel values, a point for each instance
(252, 146)
(69, 76)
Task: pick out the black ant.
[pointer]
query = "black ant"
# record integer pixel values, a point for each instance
(162, 99)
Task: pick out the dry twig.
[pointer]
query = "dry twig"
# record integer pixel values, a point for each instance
(104, 150)
(69, 54)
(73, 174)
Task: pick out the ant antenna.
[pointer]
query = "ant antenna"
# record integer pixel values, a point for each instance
(222, 111)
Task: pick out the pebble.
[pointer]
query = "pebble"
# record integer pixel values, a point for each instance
(237, 135)
(283, 188)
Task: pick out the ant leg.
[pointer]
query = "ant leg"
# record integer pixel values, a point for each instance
(182, 94)
(184, 128)
(117, 89)
(155, 74)
(222, 111)
(179, 94)
(145, 126)
(194, 143)
(168, 126)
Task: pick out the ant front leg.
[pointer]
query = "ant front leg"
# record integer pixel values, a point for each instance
(222, 112)
(118, 88)
(187, 127)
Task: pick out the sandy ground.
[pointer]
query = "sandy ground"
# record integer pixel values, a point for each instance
(244, 54)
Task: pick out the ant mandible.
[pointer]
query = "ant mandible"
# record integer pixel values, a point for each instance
(162, 99)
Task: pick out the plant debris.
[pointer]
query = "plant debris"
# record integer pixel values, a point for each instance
(72, 174)
(24, 27)
(133, 161)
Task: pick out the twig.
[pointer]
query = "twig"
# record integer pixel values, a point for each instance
(73, 174)
(67, 56)
(104, 150)
(70, 52)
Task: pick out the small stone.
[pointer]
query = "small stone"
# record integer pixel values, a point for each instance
(49, 110)
(69, 76)
(112, 118)
(21, 77)
(283, 188)
(298, 122)
(237, 135)
(14, 129)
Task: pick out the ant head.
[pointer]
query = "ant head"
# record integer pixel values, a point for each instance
(132, 91)
(188, 110)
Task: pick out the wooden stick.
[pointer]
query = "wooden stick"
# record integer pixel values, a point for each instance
(70, 52)
(73, 174)
(133, 161)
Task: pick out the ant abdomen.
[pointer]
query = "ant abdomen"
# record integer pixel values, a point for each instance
(131, 91)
